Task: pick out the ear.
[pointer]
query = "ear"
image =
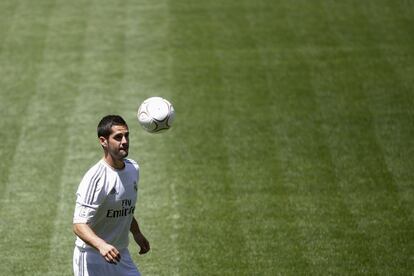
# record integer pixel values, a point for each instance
(103, 141)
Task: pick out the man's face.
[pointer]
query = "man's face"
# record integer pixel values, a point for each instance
(117, 143)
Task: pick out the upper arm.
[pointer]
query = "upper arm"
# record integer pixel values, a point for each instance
(90, 195)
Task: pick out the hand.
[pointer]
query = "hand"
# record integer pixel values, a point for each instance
(142, 242)
(110, 253)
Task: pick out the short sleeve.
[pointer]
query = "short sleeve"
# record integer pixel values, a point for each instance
(133, 163)
(91, 193)
(134, 167)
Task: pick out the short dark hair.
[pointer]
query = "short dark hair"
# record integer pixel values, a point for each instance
(107, 122)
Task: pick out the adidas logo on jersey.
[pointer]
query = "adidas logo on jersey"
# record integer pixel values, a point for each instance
(113, 191)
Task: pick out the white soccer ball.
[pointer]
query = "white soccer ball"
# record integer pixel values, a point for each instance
(156, 114)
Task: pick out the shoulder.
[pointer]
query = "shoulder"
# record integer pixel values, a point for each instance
(96, 174)
(96, 171)
(132, 164)
(94, 179)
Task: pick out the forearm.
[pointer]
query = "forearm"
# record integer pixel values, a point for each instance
(139, 237)
(84, 231)
(109, 252)
(134, 227)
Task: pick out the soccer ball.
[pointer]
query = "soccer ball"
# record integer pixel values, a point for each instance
(156, 114)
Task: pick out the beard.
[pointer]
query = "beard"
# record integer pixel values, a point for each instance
(118, 154)
(123, 153)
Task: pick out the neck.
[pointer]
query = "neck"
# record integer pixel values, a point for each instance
(114, 163)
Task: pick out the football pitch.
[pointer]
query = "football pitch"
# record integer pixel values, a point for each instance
(292, 151)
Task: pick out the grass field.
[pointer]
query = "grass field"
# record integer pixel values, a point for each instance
(292, 151)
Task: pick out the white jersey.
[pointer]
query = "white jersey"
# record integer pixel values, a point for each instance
(106, 200)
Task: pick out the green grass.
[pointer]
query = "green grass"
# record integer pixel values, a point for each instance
(292, 150)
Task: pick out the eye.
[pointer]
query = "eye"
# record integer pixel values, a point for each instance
(118, 137)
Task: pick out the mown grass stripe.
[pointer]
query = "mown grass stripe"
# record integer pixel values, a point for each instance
(249, 121)
(31, 83)
(395, 81)
(211, 194)
(17, 82)
(102, 72)
(110, 57)
(147, 73)
(338, 222)
(31, 174)
(363, 147)
(241, 259)
(286, 252)
(8, 11)
(318, 245)
(74, 20)
(400, 197)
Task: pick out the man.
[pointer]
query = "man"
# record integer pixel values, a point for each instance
(105, 204)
